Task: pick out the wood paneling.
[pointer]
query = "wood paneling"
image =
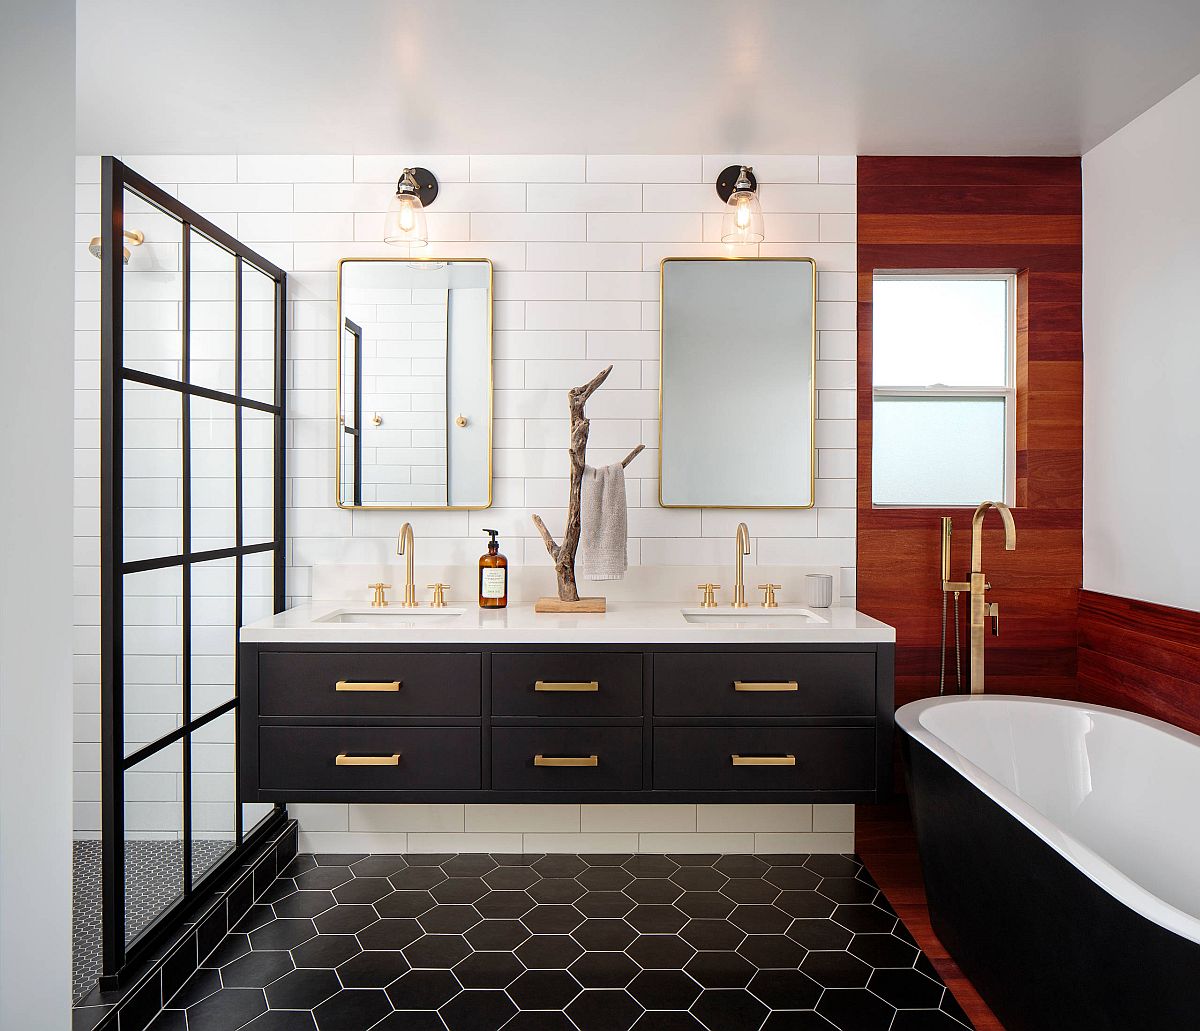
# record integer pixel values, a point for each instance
(1140, 656)
(985, 213)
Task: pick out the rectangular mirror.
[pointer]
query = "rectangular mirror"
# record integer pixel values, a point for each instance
(414, 397)
(736, 393)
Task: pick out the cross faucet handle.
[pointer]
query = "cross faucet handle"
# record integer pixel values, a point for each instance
(769, 590)
(709, 601)
(439, 595)
(380, 600)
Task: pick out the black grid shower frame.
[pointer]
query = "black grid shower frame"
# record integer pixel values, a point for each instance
(116, 179)
(355, 431)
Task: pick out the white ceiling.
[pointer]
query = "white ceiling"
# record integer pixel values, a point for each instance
(612, 76)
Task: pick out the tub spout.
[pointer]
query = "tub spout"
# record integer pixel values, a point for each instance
(980, 609)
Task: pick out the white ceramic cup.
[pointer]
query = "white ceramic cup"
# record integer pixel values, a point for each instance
(819, 590)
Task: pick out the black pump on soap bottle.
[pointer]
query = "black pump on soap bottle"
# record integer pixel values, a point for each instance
(493, 576)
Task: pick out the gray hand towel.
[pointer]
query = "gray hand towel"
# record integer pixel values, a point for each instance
(603, 523)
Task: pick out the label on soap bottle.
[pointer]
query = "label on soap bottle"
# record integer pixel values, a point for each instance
(492, 583)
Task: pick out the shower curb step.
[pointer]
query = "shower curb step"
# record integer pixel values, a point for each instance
(145, 992)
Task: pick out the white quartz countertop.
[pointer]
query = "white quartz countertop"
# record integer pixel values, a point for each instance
(319, 622)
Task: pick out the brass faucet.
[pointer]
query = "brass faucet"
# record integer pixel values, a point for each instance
(741, 547)
(405, 546)
(978, 586)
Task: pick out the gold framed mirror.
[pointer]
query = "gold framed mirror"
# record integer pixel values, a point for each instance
(414, 384)
(737, 382)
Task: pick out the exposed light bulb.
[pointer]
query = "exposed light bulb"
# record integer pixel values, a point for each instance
(405, 219)
(743, 211)
(743, 220)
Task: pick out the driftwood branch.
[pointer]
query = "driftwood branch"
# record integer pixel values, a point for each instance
(563, 553)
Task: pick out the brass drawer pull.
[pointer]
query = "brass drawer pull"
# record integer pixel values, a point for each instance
(751, 685)
(763, 760)
(566, 760)
(367, 685)
(581, 685)
(367, 760)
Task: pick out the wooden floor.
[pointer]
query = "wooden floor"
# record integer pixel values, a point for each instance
(884, 839)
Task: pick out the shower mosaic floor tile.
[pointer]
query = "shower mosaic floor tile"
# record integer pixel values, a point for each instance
(154, 878)
(568, 943)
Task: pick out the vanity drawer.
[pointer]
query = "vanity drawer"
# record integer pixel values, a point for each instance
(744, 684)
(372, 758)
(369, 683)
(571, 758)
(567, 684)
(767, 758)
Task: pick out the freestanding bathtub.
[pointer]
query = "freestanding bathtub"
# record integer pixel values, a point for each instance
(1060, 846)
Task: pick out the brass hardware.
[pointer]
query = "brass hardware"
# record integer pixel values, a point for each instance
(135, 236)
(460, 421)
(367, 760)
(348, 502)
(550, 685)
(376, 419)
(763, 760)
(367, 685)
(769, 590)
(709, 601)
(566, 760)
(751, 685)
(741, 547)
(811, 340)
(978, 585)
(405, 545)
(380, 600)
(439, 595)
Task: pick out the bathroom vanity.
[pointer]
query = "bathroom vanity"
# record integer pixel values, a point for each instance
(646, 702)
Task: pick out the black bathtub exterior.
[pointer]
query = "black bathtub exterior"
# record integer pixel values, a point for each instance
(1047, 948)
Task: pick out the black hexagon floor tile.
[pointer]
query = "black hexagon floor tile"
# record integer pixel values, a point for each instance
(304, 903)
(478, 1009)
(302, 989)
(604, 1009)
(326, 950)
(568, 943)
(372, 969)
(255, 969)
(544, 989)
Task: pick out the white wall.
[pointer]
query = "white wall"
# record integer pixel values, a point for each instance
(37, 82)
(576, 241)
(1141, 397)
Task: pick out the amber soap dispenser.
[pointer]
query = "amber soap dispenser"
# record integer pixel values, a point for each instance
(493, 575)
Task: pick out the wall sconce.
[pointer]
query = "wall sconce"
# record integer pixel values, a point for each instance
(743, 218)
(405, 219)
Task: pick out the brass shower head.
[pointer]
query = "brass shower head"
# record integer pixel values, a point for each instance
(135, 236)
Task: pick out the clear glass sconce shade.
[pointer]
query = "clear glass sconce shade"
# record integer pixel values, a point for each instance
(743, 218)
(405, 221)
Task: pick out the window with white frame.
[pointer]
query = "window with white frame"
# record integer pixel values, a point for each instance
(944, 375)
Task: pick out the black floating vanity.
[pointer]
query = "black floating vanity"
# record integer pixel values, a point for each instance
(490, 721)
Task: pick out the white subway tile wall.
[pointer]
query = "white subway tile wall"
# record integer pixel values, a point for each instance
(576, 241)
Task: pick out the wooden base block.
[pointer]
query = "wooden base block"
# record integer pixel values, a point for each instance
(558, 605)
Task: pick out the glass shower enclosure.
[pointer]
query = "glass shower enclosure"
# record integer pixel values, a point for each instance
(192, 547)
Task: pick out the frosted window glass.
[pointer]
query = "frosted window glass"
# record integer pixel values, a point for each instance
(931, 330)
(938, 451)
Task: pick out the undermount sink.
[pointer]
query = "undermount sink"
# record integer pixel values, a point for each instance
(391, 616)
(755, 617)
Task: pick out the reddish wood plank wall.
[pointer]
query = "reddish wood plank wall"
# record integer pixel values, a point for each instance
(983, 213)
(1140, 656)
